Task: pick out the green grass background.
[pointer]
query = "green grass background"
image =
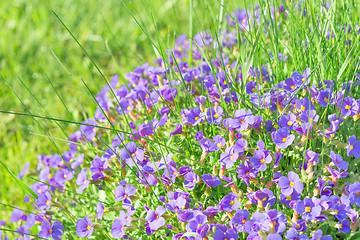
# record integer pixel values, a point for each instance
(33, 45)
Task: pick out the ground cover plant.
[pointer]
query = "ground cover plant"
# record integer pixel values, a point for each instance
(245, 131)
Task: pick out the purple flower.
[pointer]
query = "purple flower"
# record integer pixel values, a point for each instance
(207, 145)
(176, 205)
(282, 138)
(290, 200)
(118, 227)
(353, 147)
(219, 141)
(84, 227)
(229, 157)
(197, 223)
(199, 135)
(260, 160)
(89, 131)
(274, 236)
(211, 181)
(24, 170)
(195, 116)
(277, 220)
(340, 211)
(125, 106)
(251, 87)
(230, 202)
(155, 218)
(16, 215)
(55, 231)
(312, 157)
(82, 181)
(318, 235)
(130, 153)
(349, 107)
(293, 234)
(290, 184)
(325, 98)
(43, 201)
(214, 116)
(190, 180)
(177, 131)
(229, 234)
(123, 194)
(299, 225)
(338, 161)
(308, 209)
(100, 209)
(354, 195)
(64, 175)
(309, 116)
(240, 218)
(343, 226)
(246, 172)
(288, 121)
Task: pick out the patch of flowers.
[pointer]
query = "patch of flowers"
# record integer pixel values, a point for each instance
(206, 148)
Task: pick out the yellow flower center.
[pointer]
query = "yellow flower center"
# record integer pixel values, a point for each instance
(247, 173)
(357, 194)
(85, 181)
(289, 123)
(253, 89)
(194, 181)
(351, 147)
(225, 82)
(291, 184)
(50, 231)
(94, 129)
(47, 203)
(157, 216)
(88, 227)
(196, 118)
(125, 195)
(262, 161)
(65, 175)
(243, 221)
(39, 191)
(216, 115)
(199, 225)
(128, 108)
(71, 160)
(340, 225)
(133, 155)
(347, 107)
(284, 139)
(303, 79)
(336, 211)
(218, 145)
(326, 99)
(308, 209)
(302, 108)
(231, 157)
(232, 202)
(311, 120)
(298, 226)
(288, 198)
(292, 87)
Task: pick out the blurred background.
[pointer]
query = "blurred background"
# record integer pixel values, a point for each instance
(37, 52)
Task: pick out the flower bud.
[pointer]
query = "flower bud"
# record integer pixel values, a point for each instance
(51, 212)
(97, 226)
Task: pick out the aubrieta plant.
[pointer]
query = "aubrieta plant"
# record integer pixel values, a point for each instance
(210, 146)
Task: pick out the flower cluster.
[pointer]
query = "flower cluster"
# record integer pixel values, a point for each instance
(207, 148)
